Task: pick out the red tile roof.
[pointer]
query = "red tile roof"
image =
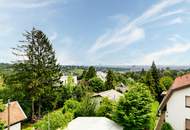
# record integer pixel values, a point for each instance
(178, 84)
(16, 114)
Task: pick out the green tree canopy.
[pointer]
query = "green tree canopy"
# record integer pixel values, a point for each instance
(37, 76)
(166, 82)
(96, 84)
(90, 73)
(133, 111)
(109, 84)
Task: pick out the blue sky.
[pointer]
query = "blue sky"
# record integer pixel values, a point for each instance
(102, 32)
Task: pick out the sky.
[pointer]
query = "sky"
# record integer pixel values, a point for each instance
(101, 32)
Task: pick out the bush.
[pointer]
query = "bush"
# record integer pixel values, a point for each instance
(155, 106)
(87, 107)
(71, 105)
(166, 126)
(54, 120)
(2, 125)
(106, 108)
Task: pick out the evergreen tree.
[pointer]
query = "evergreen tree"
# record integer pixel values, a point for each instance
(150, 83)
(155, 75)
(38, 75)
(91, 73)
(109, 84)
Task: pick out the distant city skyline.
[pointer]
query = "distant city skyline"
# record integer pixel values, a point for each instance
(102, 32)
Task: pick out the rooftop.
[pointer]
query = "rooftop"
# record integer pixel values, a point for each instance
(16, 114)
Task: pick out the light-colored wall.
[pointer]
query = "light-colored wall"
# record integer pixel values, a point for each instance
(15, 127)
(176, 111)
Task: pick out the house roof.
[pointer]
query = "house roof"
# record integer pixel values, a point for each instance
(121, 88)
(110, 94)
(16, 114)
(178, 84)
(93, 123)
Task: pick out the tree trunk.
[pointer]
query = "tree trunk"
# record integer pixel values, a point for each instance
(39, 108)
(33, 111)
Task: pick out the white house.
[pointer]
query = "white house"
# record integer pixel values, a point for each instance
(101, 75)
(175, 107)
(64, 79)
(16, 113)
(93, 123)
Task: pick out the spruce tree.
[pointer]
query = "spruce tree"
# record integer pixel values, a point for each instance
(38, 74)
(155, 75)
(109, 84)
(91, 73)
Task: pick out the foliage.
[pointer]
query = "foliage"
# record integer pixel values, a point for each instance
(96, 84)
(87, 107)
(155, 75)
(71, 105)
(133, 111)
(37, 76)
(106, 108)
(54, 120)
(154, 109)
(70, 80)
(166, 82)
(2, 106)
(90, 73)
(109, 84)
(166, 126)
(2, 125)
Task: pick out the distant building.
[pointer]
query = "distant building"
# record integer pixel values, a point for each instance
(93, 123)
(64, 79)
(17, 115)
(175, 107)
(121, 88)
(110, 94)
(101, 75)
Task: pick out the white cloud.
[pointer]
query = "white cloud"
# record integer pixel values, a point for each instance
(26, 3)
(177, 48)
(177, 20)
(123, 34)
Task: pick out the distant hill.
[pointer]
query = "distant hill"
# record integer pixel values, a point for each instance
(127, 68)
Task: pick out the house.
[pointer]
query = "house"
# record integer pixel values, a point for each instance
(93, 123)
(17, 115)
(110, 94)
(101, 75)
(175, 107)
(121, 88)
(64, 79)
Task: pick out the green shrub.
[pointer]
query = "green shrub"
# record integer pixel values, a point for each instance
(2, 125)
(106, 108)
(54, 120)
(87, 107)
(166, 126)
(155, 106)
(71, 105)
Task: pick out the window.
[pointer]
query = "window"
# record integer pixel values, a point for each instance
(187, 101)
(187, 124)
